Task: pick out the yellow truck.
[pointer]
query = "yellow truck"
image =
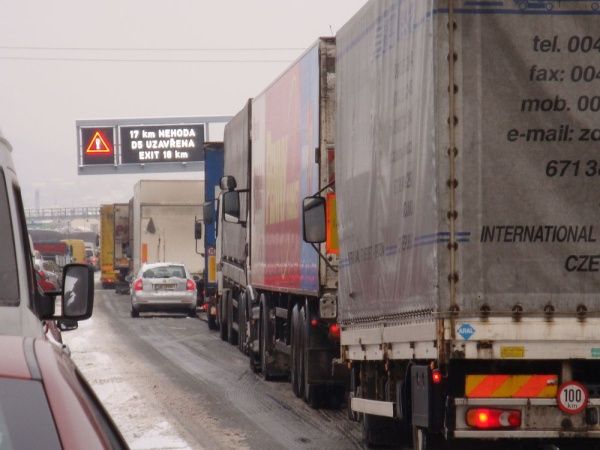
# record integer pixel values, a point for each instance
(107, 246)
(77, 248)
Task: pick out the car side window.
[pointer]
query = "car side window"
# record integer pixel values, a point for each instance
(9, 279)
(25, 417)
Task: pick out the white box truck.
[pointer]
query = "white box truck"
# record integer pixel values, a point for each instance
(164, 214)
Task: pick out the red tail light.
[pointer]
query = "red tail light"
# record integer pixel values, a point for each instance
(334, 330)
(314, 323)
(436, 376)
(490, 419)
(42, 274)
(138, 285)
(190, 285)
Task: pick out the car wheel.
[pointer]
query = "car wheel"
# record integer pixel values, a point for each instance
(134, 312)
(192, 312)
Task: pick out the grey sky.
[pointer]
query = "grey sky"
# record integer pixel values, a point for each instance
(40, 99)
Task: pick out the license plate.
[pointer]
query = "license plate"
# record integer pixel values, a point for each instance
(164, 287)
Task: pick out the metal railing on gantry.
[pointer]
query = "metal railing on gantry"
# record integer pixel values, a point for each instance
(85, 212)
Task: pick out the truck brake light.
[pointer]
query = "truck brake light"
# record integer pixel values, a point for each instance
(493, 419)
(190, 285)
(334, 330)
(138, 285)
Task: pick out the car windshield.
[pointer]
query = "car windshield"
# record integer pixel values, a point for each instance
(25, 418)
(9, 294)
(170, 271)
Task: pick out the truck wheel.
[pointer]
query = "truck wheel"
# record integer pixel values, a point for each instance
(264, 340)
(383, 432)
(295, 356)
(425, 440)
(311, 391)
(221, 308)
(242, 323)
(232, 337)
(212, 322)
(335, 396)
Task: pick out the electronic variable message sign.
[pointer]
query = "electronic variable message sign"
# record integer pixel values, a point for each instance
(161, 143)
(109, 146)
(98, 145)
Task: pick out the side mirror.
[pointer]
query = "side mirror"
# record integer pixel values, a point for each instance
(231, 206)
(78, 292)
(313, 220)
(198, 230)
(228, 183)
(67, 325)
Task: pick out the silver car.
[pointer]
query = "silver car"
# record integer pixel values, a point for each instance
(163, 287)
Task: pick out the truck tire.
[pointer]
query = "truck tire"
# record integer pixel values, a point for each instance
(295, 353)
(382, 432)
(232, 337)
(212, 322)
(311, 392)
(221, 308)
(265, 337)
(425, 440)
(242, 323)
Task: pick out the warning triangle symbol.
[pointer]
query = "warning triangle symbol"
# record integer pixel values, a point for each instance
(99, 144)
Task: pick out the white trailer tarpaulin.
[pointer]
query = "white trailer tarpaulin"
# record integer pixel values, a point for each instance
(468, 181)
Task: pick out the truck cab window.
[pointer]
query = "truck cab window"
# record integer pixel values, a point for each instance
(9, 280)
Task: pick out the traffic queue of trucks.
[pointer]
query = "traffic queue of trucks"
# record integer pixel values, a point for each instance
(460, 302)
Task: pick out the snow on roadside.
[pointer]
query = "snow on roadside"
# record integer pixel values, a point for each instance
(116, 381)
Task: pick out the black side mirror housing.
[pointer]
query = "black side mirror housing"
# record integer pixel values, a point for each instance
(314, 220)
(198, 230)
(228, 183)
(231, 207)
(77, 292)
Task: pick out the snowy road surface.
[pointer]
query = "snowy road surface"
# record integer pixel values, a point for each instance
(169, 383)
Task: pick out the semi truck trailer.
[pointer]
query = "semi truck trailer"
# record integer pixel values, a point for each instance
(277, 297)
(122, 252)
(213, 172)
(107, 246)
(465, 183)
